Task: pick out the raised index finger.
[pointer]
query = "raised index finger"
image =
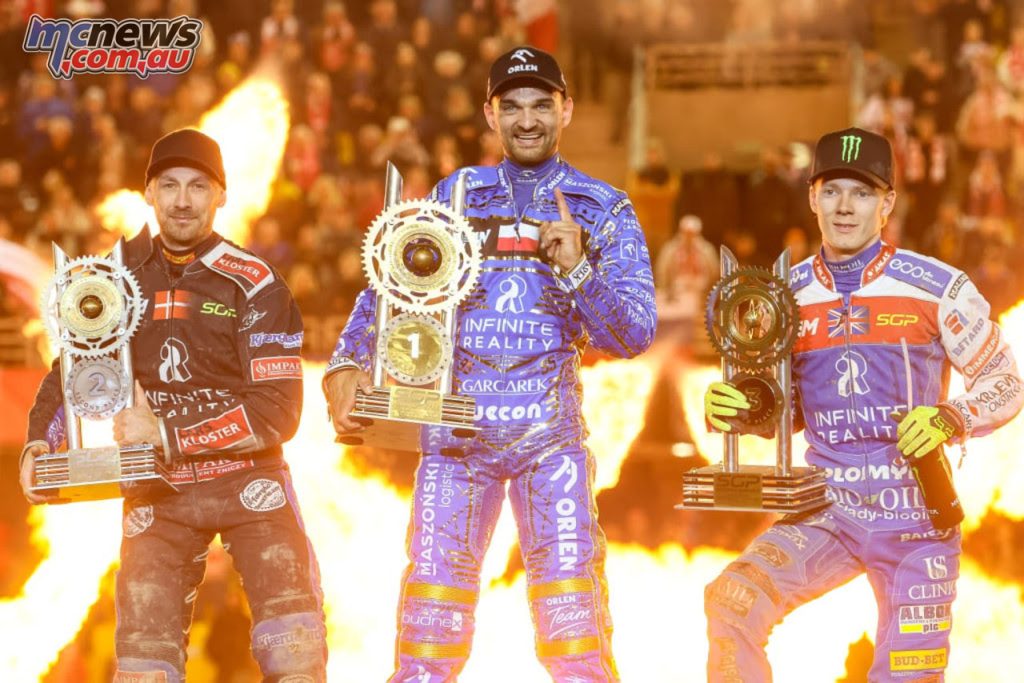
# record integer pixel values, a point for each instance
(563, 206)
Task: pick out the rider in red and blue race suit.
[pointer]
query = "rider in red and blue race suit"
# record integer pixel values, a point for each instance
(520, 336)
(880, 330)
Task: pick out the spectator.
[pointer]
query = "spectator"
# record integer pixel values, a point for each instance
(384, 33)
(361, 105)
(927, 170)
(335, 39)
(302, 157)
(406, 76)
(767, 205)
(711, 192)
(280, 26)
(18, 203)
(686, 268)
(1010, 66)
(268, 243)
(400, 146)
(984, 195)
(984, 123)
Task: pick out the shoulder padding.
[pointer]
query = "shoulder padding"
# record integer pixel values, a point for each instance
(251, 273)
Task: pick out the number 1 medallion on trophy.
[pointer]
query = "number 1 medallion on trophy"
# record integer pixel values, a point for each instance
(422, 261)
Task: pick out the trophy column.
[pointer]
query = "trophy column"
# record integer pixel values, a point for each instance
(422, 260)
(92, 307)
(752, 319)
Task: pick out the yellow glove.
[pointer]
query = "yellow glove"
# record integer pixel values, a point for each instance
(722, 400)
(925, 428)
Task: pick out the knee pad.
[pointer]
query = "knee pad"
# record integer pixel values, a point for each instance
(136, 670)
(291, 648)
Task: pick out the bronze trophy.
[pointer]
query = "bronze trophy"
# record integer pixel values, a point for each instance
(752, 319)
(422, 260)
(92, 307)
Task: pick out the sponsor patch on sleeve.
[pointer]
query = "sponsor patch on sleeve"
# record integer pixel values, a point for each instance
(919, 272)
(987, 352)
(250, 273)
(275, 367)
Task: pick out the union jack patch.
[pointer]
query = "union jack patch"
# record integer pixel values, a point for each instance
(856, 322)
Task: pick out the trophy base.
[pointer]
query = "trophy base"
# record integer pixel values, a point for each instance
(99, 473)
(394, 417)
(753, 488)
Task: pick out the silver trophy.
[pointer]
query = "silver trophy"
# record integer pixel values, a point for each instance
(92, 307)
(422, 260)
(752, 319)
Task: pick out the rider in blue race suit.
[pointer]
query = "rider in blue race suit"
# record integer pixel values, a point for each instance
(880, 329)
(564, 263)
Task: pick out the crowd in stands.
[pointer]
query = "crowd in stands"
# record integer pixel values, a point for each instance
(402, 80)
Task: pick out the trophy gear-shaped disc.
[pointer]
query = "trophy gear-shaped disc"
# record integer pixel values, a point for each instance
(421, 256)
(92, 307)
(752, 318)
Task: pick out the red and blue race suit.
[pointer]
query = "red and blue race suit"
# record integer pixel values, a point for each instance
(886, 346)
(520, 337)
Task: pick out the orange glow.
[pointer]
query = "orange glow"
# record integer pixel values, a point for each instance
(358, 524)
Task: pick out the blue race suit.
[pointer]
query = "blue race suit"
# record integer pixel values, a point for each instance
(520, 336)
(872, 329)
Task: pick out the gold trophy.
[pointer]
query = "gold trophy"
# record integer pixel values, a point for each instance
(92, 307)
(752, 319)
(422, 260)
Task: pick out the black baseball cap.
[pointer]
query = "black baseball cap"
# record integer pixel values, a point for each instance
(187, 147)
(854, 152)
(523, 65)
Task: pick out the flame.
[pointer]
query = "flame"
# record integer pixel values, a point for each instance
(357, 524)
(81, 541)
(251, 125)
(990, 476)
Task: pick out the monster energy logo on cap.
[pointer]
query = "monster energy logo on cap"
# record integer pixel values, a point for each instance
(856, 153)
(851, 148)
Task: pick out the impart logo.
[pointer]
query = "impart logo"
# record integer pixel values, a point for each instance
(139, 46)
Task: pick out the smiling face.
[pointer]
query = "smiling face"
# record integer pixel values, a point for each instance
(186, 201)
(529, 122)
(851, 213)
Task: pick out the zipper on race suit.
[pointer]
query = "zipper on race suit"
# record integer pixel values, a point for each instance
(847, 313)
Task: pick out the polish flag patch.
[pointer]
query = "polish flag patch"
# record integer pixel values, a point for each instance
(522, 237)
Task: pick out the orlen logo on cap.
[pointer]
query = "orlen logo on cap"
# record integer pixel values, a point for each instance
(522, 54)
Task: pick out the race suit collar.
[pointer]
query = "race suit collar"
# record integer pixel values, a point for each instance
(531, 174)
(853, 273)
(142, 247)
(526, 184)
